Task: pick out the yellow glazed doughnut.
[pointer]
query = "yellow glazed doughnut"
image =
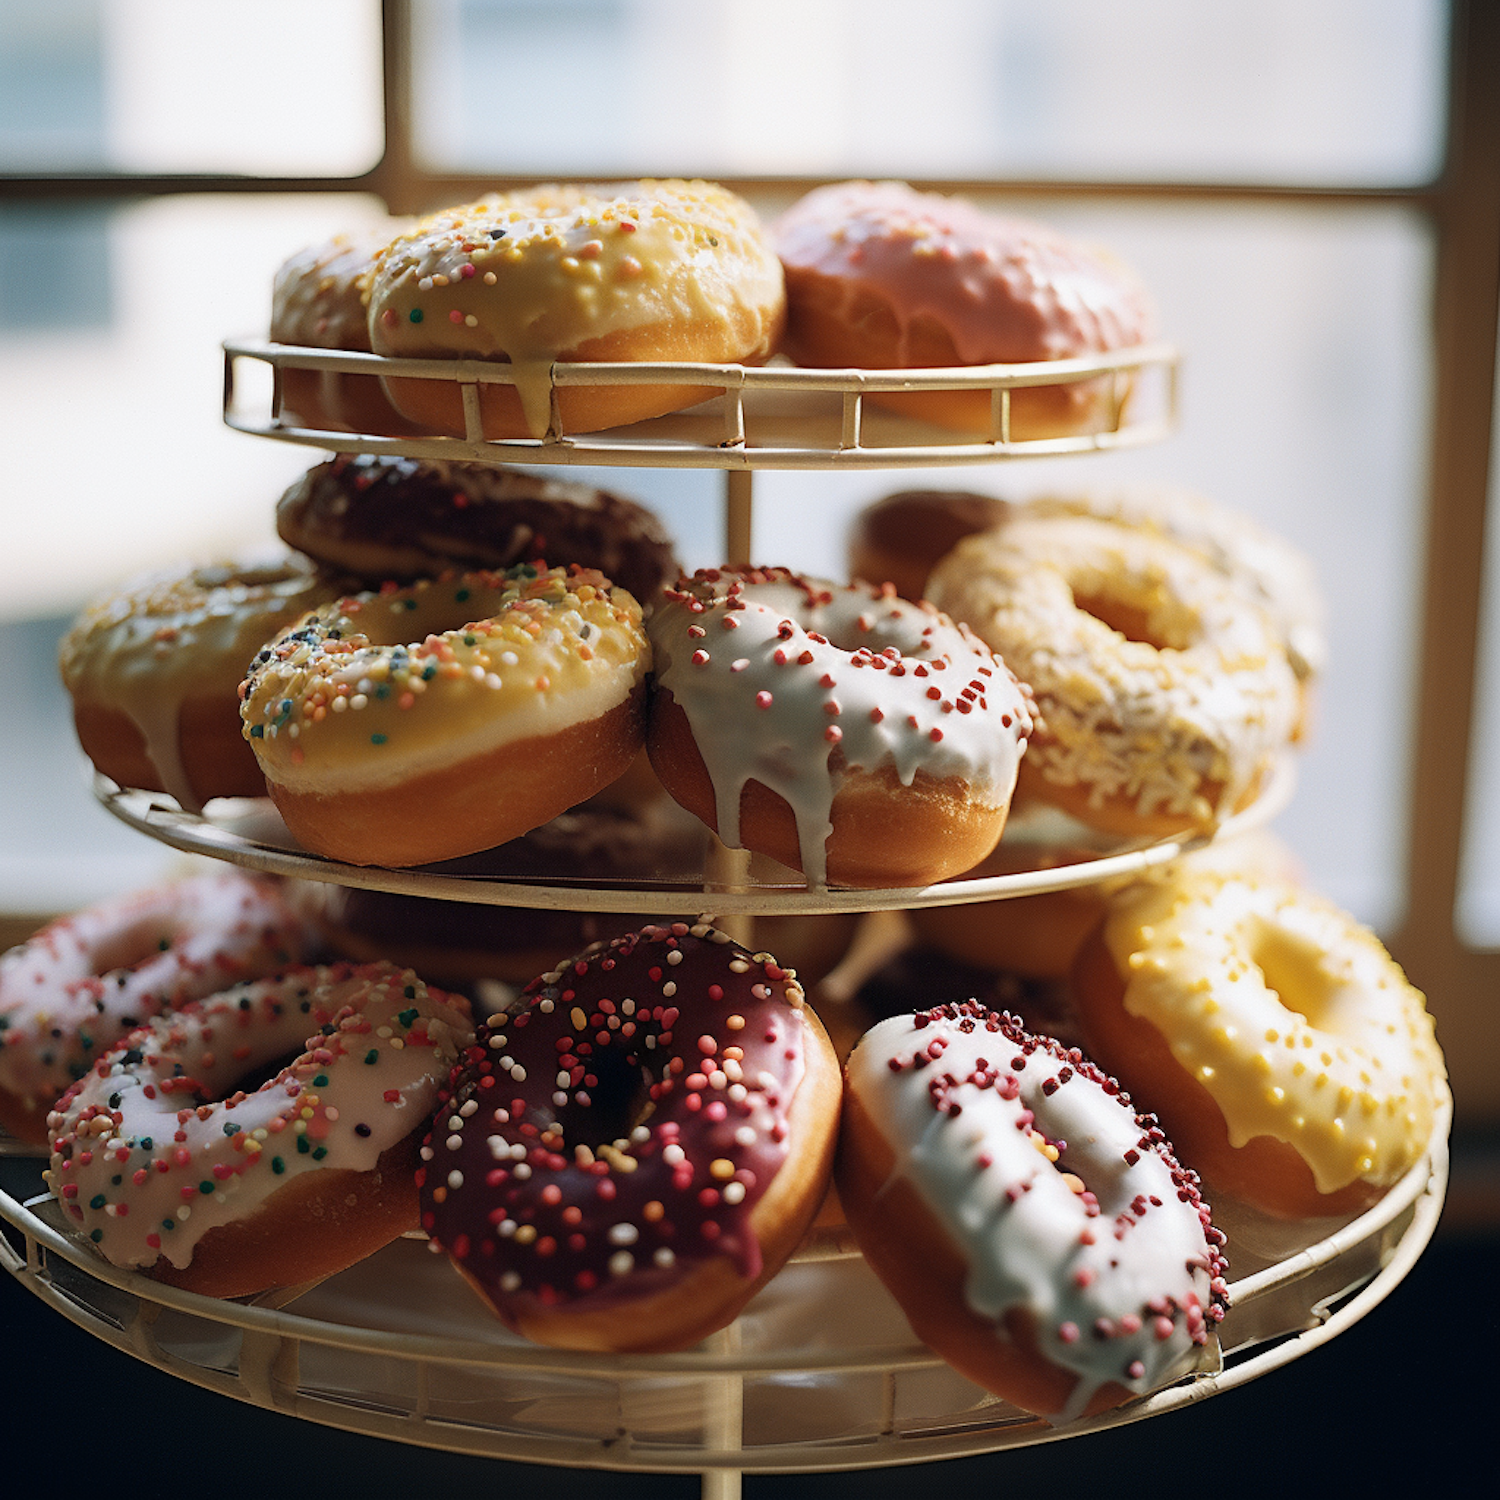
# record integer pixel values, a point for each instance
(154, 672)
(1283, 1049)
(1164, 698)
(409, 725)
(624, 271)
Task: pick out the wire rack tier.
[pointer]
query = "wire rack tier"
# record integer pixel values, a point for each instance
(248, 832)
(776, 416)
(819, 1372)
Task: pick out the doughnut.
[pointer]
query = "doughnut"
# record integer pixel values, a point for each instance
(1281, 1046)
(632, 271)
(900, 538)
(880, 276)
(170, 1159)
(317, 302)
(154, 669)
(1164, 700)
(1038, 1233)
(81, 982)
(377, 518)
(407, 725)
(625, 1157)
(849, 734)
(1268, 569)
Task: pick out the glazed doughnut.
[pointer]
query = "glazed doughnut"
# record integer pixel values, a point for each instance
(154, 670)
(882, 277)
(849, 734)
(83, 981)
(317, 302)
(1164, 700)
(1268, 569)
(633, 271)
(379, 518)
(900, 538)
(632, 1151)
(1282, 1047)
(168, 1165)
(408, 725)
(1038, 1233)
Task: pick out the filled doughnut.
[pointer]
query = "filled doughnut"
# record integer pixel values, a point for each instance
(317, 302)
(1283, 1049)
(900, 538)
(378, 518)
(1164, 698)
(172, 1157)
(627, 1155)
(1038, 1233)
(154, 669)
(407, 725)
(633, 271)
(880, 276)
(75, 987)
(849, 734)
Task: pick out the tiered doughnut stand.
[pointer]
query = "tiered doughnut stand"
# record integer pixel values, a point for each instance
(821, 1371)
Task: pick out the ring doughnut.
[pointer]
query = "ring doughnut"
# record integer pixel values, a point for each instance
(849, 734)
(1164, 701)
(1281, 1046)
(1276, 575)
(900, 538)
(653, 271)
(882, 277)
(1037, 1232)
(408, 725)
(378, 518)
(169, 1165)
(75, 987)
(630, 1153)
(317, 302)
(154, 669)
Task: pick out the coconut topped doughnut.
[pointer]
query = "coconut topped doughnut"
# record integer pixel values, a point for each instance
(1271, 571)
(667, 270)
(1165, 698)
(774, 685)
(382, 517)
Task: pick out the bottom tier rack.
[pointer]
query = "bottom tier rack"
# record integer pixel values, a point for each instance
(820, 1372)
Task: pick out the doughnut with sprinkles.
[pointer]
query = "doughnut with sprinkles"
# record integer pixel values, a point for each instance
(847, 733)
(1038, 1233)
(170, 1160)
(628, 1154)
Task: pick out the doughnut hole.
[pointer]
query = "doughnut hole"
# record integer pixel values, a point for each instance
(1264, 1171)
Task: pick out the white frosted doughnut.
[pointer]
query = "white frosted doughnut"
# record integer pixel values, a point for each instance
(1039, 1234)
(162, 1162)
(813, 692)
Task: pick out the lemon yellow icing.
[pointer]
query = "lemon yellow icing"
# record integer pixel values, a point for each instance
(1292, 1015)
(380, 686)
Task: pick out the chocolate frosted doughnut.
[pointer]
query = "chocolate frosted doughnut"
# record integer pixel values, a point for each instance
(404, 518)
(632, 1150)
